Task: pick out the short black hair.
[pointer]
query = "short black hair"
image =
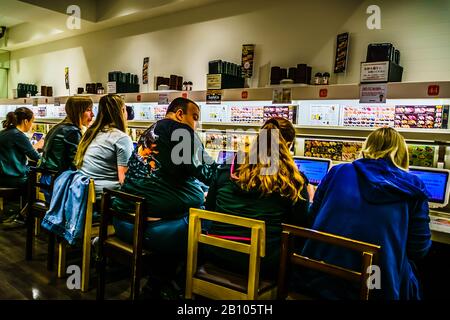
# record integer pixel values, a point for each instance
(180, 103)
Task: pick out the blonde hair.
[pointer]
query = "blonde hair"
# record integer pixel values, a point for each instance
(387, 143)
(287, 181)
(110, 115)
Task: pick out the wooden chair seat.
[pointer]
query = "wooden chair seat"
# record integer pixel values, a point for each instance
(115, 242)
(213, 282)
(231, 280)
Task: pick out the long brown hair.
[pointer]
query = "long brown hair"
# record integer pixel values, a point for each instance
(286, 181)
(110, 115)
(16, 117)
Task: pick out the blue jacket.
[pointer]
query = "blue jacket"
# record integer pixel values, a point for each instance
(67, 211)
(376, 202)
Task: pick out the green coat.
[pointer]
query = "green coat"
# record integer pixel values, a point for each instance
(60, 147)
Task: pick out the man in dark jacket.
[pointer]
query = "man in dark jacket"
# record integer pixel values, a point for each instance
(165, 169)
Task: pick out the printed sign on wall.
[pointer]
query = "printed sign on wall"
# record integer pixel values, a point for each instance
(66, 77)
(340, 63)
(248, 51)
(145, 71)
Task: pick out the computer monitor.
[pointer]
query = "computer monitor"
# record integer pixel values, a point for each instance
(134, 145)
(223, 156)
(36, 137)
(314, 169)
(437, 183)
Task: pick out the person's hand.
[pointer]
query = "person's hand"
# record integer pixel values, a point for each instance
(39, 145)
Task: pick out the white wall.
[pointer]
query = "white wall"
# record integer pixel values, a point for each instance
(286, 32)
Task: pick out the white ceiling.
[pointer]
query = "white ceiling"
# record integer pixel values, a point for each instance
(33, 22)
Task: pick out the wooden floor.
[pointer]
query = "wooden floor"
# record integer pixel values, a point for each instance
(21, 279)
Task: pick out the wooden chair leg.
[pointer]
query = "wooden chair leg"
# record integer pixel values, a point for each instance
(101, 269)
(1, 208)
(51, 251)
(135, 278)
(29, 241)
(37, 227)
(62, 249)
(86, 264)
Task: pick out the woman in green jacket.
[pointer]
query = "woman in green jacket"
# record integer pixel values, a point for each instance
(61, 142)
(16, 149)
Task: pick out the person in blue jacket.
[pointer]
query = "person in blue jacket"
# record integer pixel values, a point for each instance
(375, 200)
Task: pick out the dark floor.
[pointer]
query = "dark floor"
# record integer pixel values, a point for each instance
(21, 279)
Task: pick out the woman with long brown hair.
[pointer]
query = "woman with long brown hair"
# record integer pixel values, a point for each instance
(265, 184)
(105, 148)
(61, 142)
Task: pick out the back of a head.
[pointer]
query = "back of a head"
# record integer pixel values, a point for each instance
(387, 143)
(75, 107)
(179, 103)
(16, 117)
(286, 179)
(109, 114)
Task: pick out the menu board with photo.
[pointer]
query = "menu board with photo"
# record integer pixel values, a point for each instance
(324, 115)
(144, 111)
(334, 150)
(368, 116)
(160, 112)
(244, 114)
(286, 112)
(215, 113)
(421, 117)
(225, 141)
(422, 155)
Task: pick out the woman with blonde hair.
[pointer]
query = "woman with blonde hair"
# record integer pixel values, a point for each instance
(265, 184)
(105, 148)
(374, 200)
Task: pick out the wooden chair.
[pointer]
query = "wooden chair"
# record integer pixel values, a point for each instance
(89, 232)
(7, 193)
(369, 254)
(111, 247)
(37, 207)
(215, 283)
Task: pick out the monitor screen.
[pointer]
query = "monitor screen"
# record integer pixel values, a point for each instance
(314, 169)
(436, 182)
(224, 155)
(134, 145)
(36, 137)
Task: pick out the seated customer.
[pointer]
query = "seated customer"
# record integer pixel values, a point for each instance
(247, 191)
(15, 148)
(164, 171)
(375, 200)
(61, 142)
(105, 148)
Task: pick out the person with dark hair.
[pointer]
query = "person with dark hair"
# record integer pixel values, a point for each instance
(15, 148)
(244, 189)
(61, 142)
(165, 169)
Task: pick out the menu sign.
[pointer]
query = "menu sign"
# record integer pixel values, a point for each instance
(373, 93)
(248, 51)
(145, 71)
(213, 96)
(340, 62)
(374, 71)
